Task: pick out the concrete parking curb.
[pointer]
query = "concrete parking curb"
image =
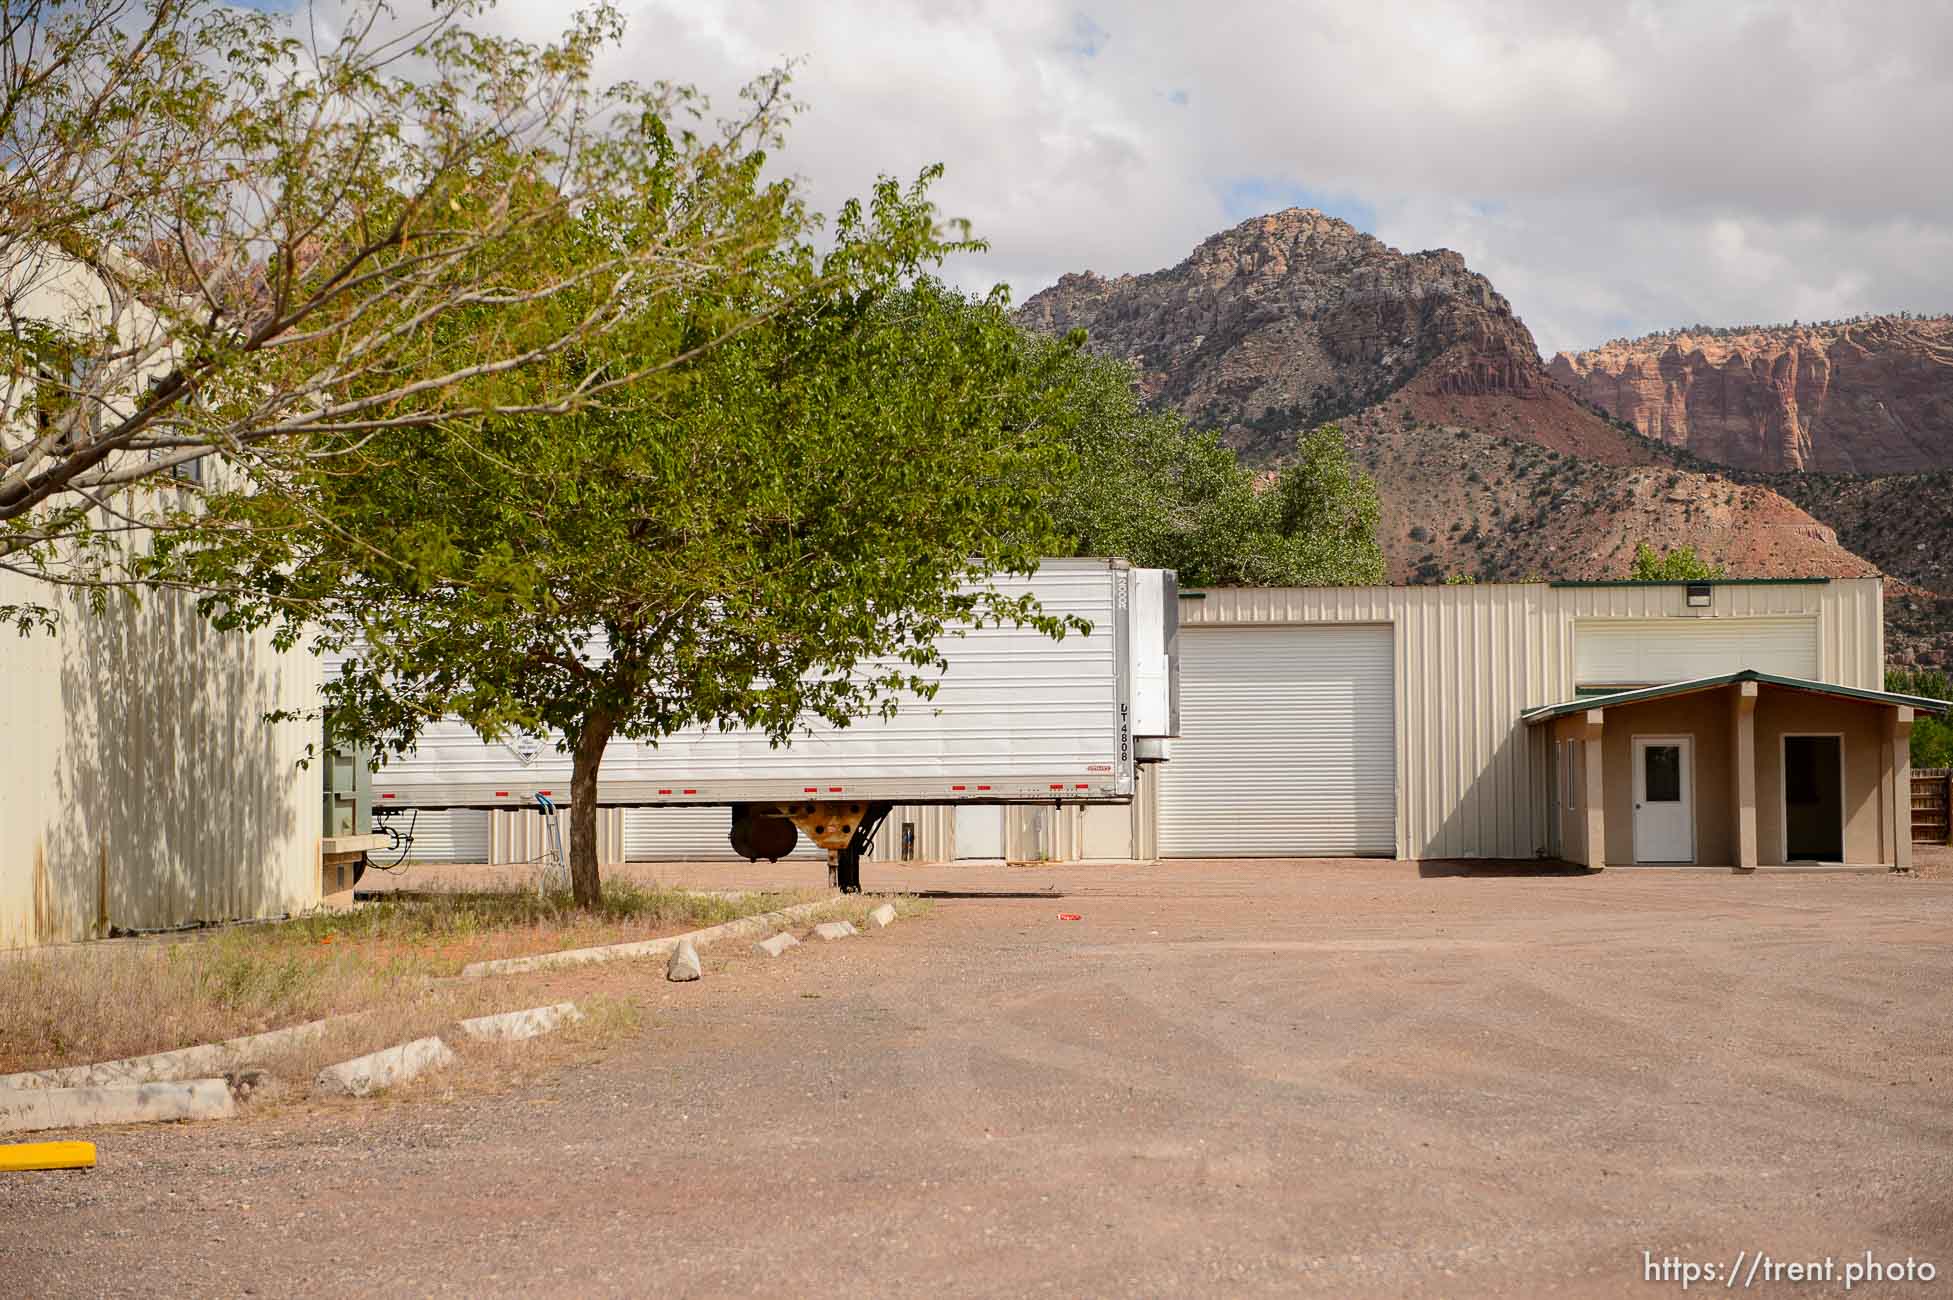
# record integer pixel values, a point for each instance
(23, 1110)
(739, 929)
(512, 1026)
(684, 966)
(776, 945)
(202, 1061)
(365, 1075)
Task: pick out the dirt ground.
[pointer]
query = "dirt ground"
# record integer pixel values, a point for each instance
(1226, 1078)
(1933, 861)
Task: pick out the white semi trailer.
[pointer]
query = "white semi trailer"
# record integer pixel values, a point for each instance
(1017, 718)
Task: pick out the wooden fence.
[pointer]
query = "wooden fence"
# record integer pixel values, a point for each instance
(1932, 806)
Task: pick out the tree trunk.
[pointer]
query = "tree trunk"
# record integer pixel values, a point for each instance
(586, 887)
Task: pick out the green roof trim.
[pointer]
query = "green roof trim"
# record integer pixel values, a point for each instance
(1688, 582)
(1547, 712)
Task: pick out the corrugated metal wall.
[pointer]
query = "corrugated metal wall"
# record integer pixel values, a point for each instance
(138, 777)
(518, 836)
(1471, 780)
(690, 835)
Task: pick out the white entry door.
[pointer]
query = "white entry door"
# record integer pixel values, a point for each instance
(1664, 799)
(979, 831)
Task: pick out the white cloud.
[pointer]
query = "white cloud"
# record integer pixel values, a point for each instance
(1613, 168)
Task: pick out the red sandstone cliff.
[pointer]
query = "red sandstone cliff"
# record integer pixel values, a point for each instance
(1871, 396)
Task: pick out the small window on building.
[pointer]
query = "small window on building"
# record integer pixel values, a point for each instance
(190, 471)
(64, 406)
(1663, 780)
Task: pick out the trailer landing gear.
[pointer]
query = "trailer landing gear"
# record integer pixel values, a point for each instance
(844, 864)
(845, 830)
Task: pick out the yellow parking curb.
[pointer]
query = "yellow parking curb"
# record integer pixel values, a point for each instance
(19, 1157)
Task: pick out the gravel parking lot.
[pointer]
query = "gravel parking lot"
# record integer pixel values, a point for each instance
(1226, 1078)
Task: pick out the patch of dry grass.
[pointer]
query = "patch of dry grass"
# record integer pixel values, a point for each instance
(855, 908)
(388, 960)
(449, 929)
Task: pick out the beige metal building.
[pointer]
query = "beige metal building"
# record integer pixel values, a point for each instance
(1408, 722)
(140, 785)
(1740, 769)
(1391, 721)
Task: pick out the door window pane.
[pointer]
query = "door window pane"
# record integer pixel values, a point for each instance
(1664, 773)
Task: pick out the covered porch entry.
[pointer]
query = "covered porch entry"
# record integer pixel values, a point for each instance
(1742, 770)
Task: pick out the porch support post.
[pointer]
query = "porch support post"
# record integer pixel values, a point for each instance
(1899, 736)
(1742, 773)
(1594, 799)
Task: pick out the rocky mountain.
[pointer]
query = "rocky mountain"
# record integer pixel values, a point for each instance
(1491, 465)
(1295, 319)
(1864, 396)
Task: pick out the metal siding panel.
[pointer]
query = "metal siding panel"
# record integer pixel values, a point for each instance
(1446, 730)
(457, 835)
(1410, 688)
(1671, 650)
(691, 835)
(1287, 745)
(1496, 670)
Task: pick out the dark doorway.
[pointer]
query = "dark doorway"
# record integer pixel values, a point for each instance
(1813, 798)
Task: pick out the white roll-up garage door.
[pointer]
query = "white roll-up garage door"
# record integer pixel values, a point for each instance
(1287, 744)
(689, 835)
(444, 834)
(1652, 652)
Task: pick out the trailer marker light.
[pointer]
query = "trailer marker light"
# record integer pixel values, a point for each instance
(542, 792)
(386, 796)
(1082, 786)
(664, 792)
(983, 787)
(501, 794)
(834, 789)
(690, 792)
(959, 787)
(810, 789)
(1058, 785)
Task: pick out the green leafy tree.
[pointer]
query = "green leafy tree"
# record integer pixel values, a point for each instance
(1325, 511)
(1161, 493)
(1932, 737)
(775, 528)
(1678, 565)
(227, 234)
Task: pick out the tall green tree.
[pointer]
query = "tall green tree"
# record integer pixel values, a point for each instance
(228, 234)
(775, 527)
(1932, 737)
(1678, 565)
(1162, 493)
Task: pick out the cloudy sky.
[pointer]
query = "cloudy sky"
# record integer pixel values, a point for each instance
(1613, 167)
